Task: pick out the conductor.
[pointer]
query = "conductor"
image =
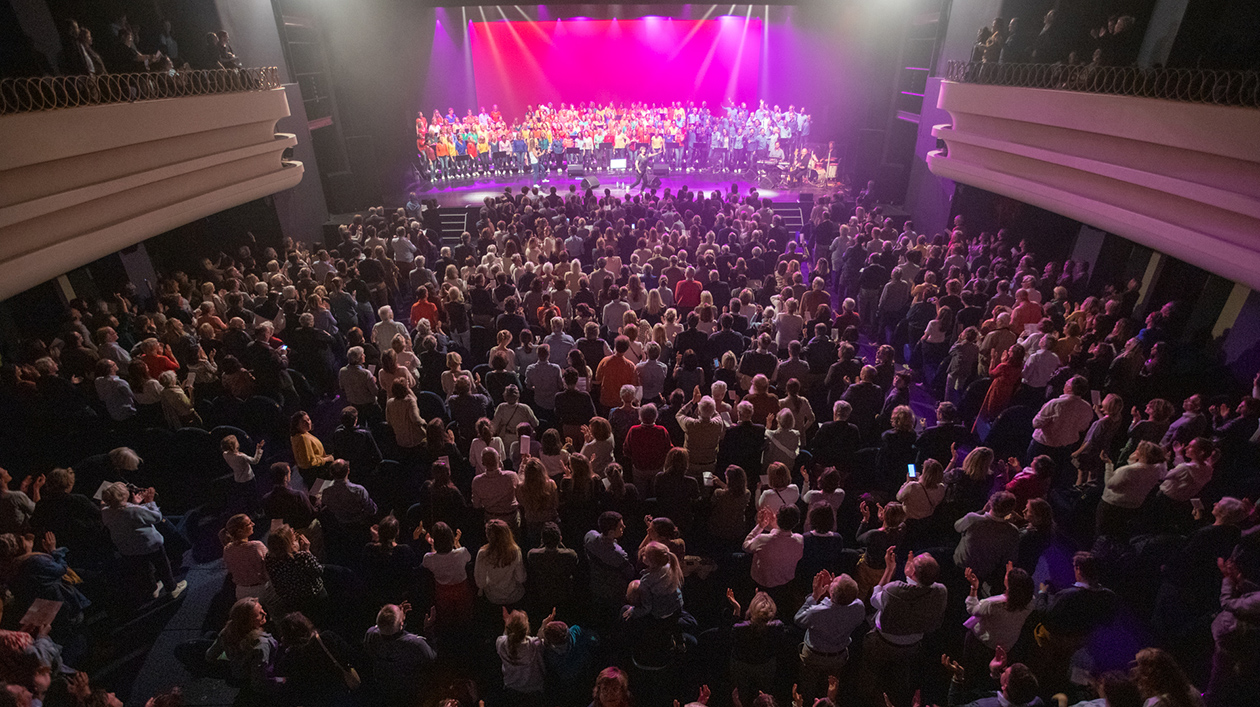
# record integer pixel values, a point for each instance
(641, 165)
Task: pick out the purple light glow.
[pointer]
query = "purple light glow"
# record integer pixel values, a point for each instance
(603, 60)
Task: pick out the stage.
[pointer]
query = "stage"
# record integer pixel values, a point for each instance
(470, 191)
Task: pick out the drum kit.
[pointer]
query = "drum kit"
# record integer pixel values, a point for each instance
(777, 174)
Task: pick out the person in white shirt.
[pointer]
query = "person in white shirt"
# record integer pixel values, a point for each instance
(404, 250)
(500, 567)
(385, 330)
(775, 549)
(997, 621)
(1058, 426)
(1195, 464)
(449, 564)
(781, 492)
(240, 463)
(1125, 488)
(1040, 366)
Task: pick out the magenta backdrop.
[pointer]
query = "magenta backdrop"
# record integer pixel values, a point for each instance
(650, 59)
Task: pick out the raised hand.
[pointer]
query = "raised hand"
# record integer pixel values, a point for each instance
(953, 667)
(705, 693)
(972, 579)
(765, 518)
(999, 659)
(890, 556)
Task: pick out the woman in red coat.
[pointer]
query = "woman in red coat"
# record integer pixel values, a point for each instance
(1006, 376)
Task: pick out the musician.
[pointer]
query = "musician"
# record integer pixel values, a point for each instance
(801, 165)
(641, 166)
(776, 153)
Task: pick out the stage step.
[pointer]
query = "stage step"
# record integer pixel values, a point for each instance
(793, 216)
(453, 223)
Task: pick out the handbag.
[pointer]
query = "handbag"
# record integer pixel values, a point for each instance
(349, 676)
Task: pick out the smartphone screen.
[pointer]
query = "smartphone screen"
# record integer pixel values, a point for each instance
(1196, 504)
(911, 472)
(1096, 396)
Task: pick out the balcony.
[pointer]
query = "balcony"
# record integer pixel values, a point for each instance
(1170, 159)
(89, 166)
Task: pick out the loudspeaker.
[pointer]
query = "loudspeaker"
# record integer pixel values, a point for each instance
(575, 170)
(660, 168)
(654, 182)
(765, 183)
(362, 158)
(807, 201)
(589, 183)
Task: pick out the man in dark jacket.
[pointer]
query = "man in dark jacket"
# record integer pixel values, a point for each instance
(820, 351)
(356, 445)
(935, 442)
(743, 443)
(867, 399)
(835, 442)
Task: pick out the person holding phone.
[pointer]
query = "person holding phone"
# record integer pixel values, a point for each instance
(922, 493)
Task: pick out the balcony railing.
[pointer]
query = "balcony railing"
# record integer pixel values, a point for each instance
(1222, 88)
(26, 95)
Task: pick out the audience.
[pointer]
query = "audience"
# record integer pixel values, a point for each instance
(637, 464)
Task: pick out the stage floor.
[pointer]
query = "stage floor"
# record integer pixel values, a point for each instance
(473, 190)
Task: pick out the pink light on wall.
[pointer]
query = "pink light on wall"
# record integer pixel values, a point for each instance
(649, 59)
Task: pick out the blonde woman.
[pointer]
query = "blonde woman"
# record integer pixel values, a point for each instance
(922, 495)
(522, 656)
(244, 558)
(454, 371)
(403, 354)
(598, 445)
(755, 643)
(500, 569)
(658, 591)
(538, 497)
(504, 346)
(654, 311)
(672, 327)
(968, 488)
